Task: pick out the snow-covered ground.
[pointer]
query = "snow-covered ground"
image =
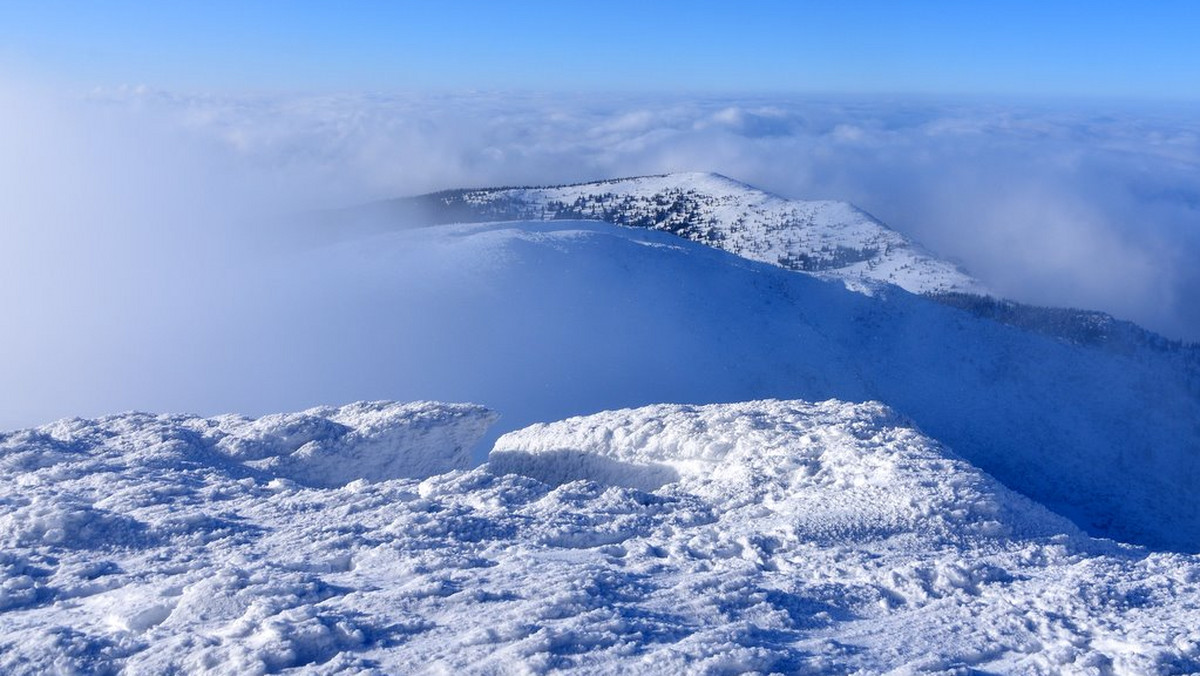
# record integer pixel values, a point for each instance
(769, 536)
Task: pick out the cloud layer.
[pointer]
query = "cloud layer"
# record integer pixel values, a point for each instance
(1094, 206)
(134, 220)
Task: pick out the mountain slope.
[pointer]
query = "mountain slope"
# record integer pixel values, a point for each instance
(545, 320)
(832, 240)
(827, 238)
(780, 536)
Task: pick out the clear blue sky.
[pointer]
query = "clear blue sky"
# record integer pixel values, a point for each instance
(1097, 48)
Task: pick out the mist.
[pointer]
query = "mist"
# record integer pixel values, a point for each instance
(150, 262)
(1093, 204)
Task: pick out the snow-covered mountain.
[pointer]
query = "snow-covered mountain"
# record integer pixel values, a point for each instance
(765, 537)
(773, 472)
(827, 238)
(549, 319)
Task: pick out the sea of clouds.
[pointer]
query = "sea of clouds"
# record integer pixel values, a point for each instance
(136, 223)
(1086, 204)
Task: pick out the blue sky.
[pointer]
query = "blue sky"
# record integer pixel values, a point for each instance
(1089, 49)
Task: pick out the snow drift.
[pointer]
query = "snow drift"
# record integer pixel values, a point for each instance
(369, 441)
(830, 471)
(549, 319)
(783, 536)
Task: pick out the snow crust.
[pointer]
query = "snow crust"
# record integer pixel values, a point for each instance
(771, 536)
(831, 470)
(368, 441)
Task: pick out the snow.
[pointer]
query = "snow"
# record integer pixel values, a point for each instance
(762, 522)
(332, 447)
(547, 320)
(832, 470)
(834, 240)
(770, 536)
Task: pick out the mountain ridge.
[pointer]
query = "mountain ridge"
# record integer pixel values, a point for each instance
(855, 261)
(828, 238)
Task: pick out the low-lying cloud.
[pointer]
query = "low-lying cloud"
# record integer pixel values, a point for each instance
(1088, 205)
(136, 222)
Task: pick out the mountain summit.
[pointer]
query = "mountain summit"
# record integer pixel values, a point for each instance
(827, 239)
(833, 240)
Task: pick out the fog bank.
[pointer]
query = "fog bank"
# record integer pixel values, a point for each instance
(150, 229)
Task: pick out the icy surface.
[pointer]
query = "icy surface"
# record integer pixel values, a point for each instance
(831, 239)
(768, 536)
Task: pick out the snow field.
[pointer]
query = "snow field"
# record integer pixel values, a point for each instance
(773, 536)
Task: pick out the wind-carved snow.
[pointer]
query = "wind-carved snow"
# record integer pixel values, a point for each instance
(768, 536)
(830, 239)
(333, 446)
(832, 470)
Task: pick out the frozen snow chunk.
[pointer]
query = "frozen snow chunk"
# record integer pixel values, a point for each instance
(138, 618)
(376, 441)
(21, 584)
(278, 434)
(560, 466)
(71, 524)
(831, 471)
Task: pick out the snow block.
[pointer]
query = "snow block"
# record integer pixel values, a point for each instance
(836, 469)
(376, 441)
